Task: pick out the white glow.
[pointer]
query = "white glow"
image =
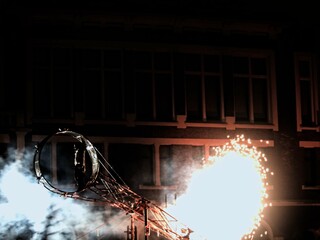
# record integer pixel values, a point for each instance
(225, 199)
(24, 200)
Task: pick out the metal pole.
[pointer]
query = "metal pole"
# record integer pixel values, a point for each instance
(135, 233)
(132, 229)
(146, 228)
(128, 232)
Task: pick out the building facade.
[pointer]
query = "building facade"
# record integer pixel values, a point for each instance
(156, 86)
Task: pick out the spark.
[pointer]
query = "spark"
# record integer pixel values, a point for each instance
(226, 198)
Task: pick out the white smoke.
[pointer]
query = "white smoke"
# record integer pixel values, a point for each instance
(30, 211)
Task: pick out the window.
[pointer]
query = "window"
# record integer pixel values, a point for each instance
(240, 85)
(252, 89)
(132, 162)
(7, 117)
(203, 81)
(102, 84)
(91, 83)
(223, 88)
(2, 81)
(4, 147)
(312, 163)
(52, 79)
(65, 166)
(102, 79)
(67, 80)
(307, 90)
(153, 74)
(113, 84)
(178, 162)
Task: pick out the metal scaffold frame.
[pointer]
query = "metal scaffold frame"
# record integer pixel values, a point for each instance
(104, 185)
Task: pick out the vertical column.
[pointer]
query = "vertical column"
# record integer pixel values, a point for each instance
(21, 142)
(156, 165)
(146, 227)
(106, 150)
(228, 81)
(206, 152)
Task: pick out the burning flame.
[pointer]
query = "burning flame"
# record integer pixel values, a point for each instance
(225, 199)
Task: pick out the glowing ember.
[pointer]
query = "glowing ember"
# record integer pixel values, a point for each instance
(225, 199)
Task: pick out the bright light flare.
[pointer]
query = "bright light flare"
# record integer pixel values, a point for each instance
(225, 199)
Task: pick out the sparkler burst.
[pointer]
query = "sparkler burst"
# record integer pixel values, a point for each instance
(225, 199)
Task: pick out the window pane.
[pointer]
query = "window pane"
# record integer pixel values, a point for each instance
(62, 93)
(193, 96)
(42, 93)
(164, 103)
(143, 60)
(3, 93)
(241, 65)
(178, 163)
(144, 96)
(90, 58)
(312, 163)
(259, 66)
(241, 90)
(304, 68)
(112, 59)
(65, 167)
(318, 89)
(133, 163)
(305, 94)
(213, 97)
(78, 90)
(46, 163)
(167, 167)
(192, 62)
(41, 57)
(260, 99)
(4, 150)
(113, 95)
(211, 63)
(92, 90)
(162, 61)
(61, 57)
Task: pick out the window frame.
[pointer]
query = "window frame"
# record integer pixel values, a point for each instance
(75, 69)
(227, 120)
(314, 94)
(2, 78)
(230, 121)
(50, 68)
(153, 73)
(313, 145)
(202, 74)
(251, 77)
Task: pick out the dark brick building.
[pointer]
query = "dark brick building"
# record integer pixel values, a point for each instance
(167, 80)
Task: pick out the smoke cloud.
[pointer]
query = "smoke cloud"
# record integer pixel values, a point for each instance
(30, 211)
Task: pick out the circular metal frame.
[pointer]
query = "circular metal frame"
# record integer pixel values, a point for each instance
(89, 148)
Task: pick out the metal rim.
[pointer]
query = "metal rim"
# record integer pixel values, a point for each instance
(90, 149)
